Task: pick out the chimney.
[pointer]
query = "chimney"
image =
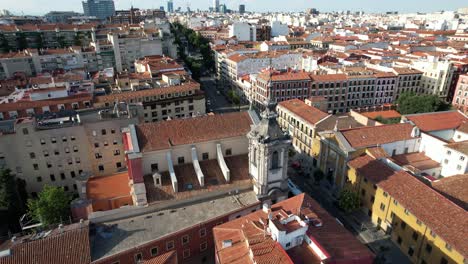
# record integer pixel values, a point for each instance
(266, 207)
(227, 243)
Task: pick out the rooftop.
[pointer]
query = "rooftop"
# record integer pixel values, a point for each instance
(69, 244)
(118, 236)
(247, 234)
(417, 160)
(308, 113)
(376, 135)
(165, 134)
(437, 121)
(454, 188)
(461, 147)
(107, 187)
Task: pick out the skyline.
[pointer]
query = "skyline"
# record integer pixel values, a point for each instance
(40, 7)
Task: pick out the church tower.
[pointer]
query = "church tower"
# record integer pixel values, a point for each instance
(268, 157)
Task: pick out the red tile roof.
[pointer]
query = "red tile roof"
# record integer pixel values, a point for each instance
(164, 134)
(449, 221)
(246, 235)
(377, 135)
(437, 121)
(384, 114)
(310, 114)
(23, 105)
(284, 76)
(166, 258)
(454, 188)
(107, 187)
(70, 245)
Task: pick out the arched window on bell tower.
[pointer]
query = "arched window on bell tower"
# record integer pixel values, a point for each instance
(275, 160)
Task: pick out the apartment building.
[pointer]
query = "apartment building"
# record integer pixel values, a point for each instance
(56, 148)
(460, 98)
(397, 203)
(409, 80)
(170, 102)
(279, 86)
(437, 76)
(334, 88)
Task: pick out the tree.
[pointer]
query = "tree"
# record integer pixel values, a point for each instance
(387, 120)
(40, 41)
(411, 103)
(51, 207)
(22, 41)
(348, 200)
(10, 199)
(4, 45)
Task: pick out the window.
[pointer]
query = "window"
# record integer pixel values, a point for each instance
(392, 215)
(385, 194)
(180, 160)
(112, 131)
(115, 142)
(56, 152)
(154, 167)
(98, 155)
(169, 245)
(52, 177)
(443, 261)
(48, 164)
(203, 246)
(64, 139)
(138, 257)
(67, 150)
(154, 251)
(42, 142)
(403, 225)
(53, 140)
(77, 160)
(75, 149)
(428, 248)
(205, 156)
(363, 192)
(36, 166)
(118, 165)
(288, 244)
(382, 207)
(186, 253)
(39, 179)
(62, 176)
(65, 188)
(103, 132)
(228, 152)
(202, 232)
(116, 152)
(72, 174)
(395, 202)
(418, 222)
(406, 212)
(96, 144)
(399, 240)
(462, 158)
(410, 251)
(185, 239)
(72, 138)
(415, 236)
(433, 234)
(459, 167)
(101, 167)
(275, 160)
(25, 131)
(449, 152)
(32, 155)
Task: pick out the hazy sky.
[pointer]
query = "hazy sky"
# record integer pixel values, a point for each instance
(38, 7)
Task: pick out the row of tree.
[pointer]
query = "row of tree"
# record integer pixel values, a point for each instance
(23, 43)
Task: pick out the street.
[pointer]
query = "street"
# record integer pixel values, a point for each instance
(216, 100)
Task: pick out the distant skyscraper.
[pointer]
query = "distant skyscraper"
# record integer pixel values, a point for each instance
(222, 9)
(242, 9)
(101, 9)
(216, 5)
(161, 8)
(170, 6)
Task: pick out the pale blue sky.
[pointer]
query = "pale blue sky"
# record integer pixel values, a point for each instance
(42, 6)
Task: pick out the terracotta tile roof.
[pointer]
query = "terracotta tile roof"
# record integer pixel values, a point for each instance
(23, 105)
(454, 188)
(377, 135)
(107, 187)
(417, 160)
(384, 114)
(437, 121)
(70, 245)
(247, 233)
(163, 135)
(463, 127)
(461, 147)
(371, 168)
(166, 258)
(284, 76)
(449, 221)
(329, 77)
(310, 114)
(377, 152)
(126, 96)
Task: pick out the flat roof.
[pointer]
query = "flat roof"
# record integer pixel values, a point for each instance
(417, 160)
(139, 230)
